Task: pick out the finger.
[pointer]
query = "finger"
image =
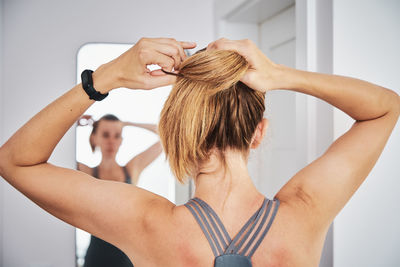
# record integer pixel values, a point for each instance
(188, 45)
(157, 73)
(160, 72)
(171, 51)
(213, 45)
(174, 43)
(164, 61)
(237, 46)
(158, 81)
(222, 44)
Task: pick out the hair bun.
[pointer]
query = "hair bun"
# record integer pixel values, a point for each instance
(219, 68)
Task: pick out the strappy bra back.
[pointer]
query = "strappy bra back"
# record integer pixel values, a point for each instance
(127, 177)
(233, 252)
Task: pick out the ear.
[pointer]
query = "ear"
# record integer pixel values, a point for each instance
(92, 140)
(259, 133)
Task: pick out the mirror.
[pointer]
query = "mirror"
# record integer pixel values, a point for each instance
(139, 108)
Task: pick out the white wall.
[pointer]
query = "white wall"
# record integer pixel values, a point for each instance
(40, 42)
(366, 46)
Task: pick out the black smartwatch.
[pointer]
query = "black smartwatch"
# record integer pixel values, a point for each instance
(87, 84)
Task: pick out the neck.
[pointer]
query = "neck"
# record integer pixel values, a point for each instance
(227, 190)
(108, 163)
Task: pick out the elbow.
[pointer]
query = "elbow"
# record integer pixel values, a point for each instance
(3, 161)
(396, 102)
(392, 103)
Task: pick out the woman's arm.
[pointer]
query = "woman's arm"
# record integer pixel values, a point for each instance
(359, 99)
(72, 196)
(137, 164)
(34, 142)
(321, 189)
(150, 127)
(328, 183)
(107, 209)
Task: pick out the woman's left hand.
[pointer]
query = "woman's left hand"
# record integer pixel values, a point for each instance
(130, 70)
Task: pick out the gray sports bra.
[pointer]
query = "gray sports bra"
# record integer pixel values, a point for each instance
(230, 252)
(127, 177)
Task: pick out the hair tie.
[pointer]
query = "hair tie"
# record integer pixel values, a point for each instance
(172, 73)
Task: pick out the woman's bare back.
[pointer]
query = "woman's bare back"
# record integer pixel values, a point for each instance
(179, 241)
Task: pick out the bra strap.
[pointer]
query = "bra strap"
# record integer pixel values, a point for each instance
(96, 172)
(213, 234)
(127, 176)
(233, 249)
(276, 202)
(209, 211)
(203, 222)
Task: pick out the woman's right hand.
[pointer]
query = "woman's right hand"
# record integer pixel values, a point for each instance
(85, 120)
(129, 70)
(263, 74)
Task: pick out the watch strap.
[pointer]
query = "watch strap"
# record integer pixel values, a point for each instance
(87, 84)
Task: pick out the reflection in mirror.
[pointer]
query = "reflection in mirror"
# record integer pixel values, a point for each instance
(116, 139)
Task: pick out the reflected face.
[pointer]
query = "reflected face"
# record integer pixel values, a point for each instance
(109, 137)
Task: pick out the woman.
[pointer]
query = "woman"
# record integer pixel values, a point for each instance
(107, 135)
(210, 121)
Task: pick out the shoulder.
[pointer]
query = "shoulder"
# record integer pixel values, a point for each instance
(171, 236)
(293, 238)
(84, 168)
(296, 220)
(159, 233)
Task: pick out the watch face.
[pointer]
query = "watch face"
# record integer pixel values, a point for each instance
(87, 84)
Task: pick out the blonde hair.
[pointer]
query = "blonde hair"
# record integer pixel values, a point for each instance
(208, 108)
